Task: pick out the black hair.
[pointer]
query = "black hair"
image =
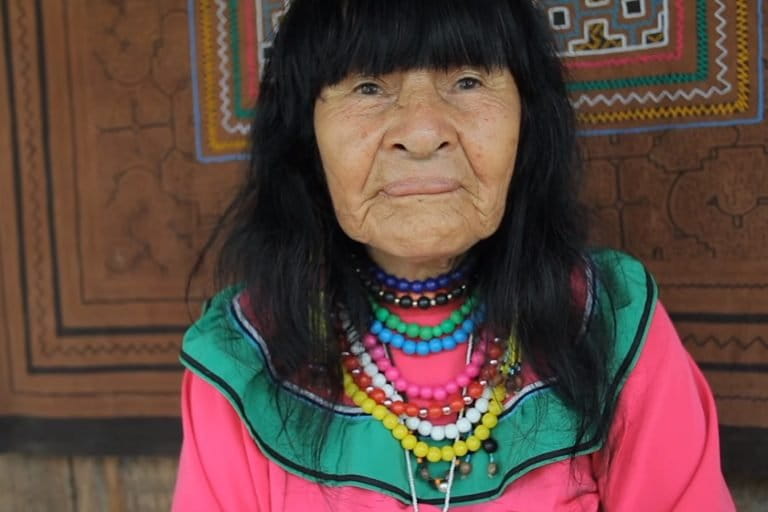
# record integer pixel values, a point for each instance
(281, 240)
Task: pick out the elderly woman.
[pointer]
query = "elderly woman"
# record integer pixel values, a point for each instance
(413, 321)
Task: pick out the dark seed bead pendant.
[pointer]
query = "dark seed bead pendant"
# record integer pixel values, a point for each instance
(490, 445)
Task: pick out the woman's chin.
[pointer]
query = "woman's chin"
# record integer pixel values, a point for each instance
(424, 246)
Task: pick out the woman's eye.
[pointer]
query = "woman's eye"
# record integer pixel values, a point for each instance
(368, 89)
(468, 83)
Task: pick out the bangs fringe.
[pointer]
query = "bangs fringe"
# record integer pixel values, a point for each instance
(375, 37)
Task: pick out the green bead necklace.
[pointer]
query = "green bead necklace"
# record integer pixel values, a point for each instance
(424, 332)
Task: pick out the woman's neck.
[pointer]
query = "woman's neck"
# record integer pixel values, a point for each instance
(412, 268)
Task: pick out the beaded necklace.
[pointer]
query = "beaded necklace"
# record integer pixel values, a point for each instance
(397, 291)
(476, 395)
(479, 414)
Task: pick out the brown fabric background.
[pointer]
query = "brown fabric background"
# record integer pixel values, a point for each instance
(103, 204)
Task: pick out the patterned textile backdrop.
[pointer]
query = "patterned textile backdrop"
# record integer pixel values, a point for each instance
(128, 124)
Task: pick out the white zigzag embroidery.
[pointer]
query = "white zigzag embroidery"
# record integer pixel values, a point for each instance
(224, 107)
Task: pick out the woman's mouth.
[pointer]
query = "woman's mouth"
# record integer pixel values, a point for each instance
(425, 185)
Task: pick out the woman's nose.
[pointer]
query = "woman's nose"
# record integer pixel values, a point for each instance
(422, 126)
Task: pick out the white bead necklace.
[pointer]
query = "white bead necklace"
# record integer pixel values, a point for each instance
(471, 417)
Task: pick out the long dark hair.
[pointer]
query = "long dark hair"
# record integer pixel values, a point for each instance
(280, 238)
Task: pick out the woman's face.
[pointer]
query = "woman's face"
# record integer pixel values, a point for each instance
(418, 162)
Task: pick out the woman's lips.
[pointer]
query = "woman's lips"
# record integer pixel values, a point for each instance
(421, 186)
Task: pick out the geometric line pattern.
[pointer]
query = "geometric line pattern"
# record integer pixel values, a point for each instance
(741, 103)
(710, 74)
(688, 95)
(642, 58)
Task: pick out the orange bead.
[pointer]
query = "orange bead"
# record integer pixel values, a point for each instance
(435, 411)
(412, 410)
(475, 390)
(378, 395)
(397, 407)
(351, 362)
(457, 405)
(488, 373)
(363, 380)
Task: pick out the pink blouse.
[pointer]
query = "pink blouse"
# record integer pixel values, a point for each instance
(662, 454)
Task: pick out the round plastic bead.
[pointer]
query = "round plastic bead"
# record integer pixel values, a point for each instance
(380, 380)
(490, 420)
(481, 404)
(421, 449)
(390, 421)
(494, 407)
(382, 314)
(464, 425)
(359, 397)
(371, 370)
(473, 443)
(400, 431)
(434, 454)
(447, 453)
(409, 442)
(482, 432)
(451, 431)
(460, 448)
(368, 405)
(460, 335)
(472, 415)
(438, 432)
(379, 412)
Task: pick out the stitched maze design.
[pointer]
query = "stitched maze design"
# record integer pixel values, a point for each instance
(606, 27)
(635, 65)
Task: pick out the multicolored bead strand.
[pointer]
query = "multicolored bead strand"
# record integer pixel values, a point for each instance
(410, 442)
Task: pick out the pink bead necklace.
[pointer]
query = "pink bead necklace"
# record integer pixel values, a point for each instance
(380, 360)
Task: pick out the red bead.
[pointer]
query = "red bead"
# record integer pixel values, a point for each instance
(494, 351)
(363, 380)
(488, 373)
(397, 407)
(475, 390)
(351, 362)
(435, 411)
(412, 410)
(378, 395)
(457, 405)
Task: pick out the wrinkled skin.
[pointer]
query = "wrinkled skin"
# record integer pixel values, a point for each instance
(418, 162)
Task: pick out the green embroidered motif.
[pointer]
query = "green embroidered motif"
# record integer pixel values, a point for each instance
(535, 430)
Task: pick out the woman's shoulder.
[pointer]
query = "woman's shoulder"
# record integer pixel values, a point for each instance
(625, 299)
(221, 340)
(625, 278)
